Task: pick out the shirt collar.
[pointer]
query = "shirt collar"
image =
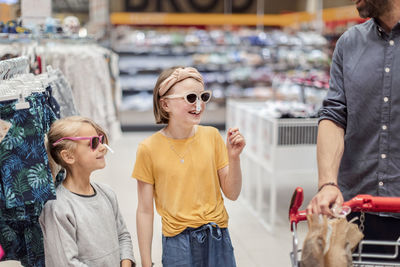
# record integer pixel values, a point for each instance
(381, 32)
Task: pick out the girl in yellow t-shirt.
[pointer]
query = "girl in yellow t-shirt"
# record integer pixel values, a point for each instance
(183, 167)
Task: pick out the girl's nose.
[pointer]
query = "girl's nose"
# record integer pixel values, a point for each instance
(102, 147)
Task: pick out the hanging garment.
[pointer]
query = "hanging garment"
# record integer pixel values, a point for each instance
(62, 92)
(25, 178)
(21, 236)
(52, 102)
(24, 167)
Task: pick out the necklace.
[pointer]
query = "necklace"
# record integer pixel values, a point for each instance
(181, 158)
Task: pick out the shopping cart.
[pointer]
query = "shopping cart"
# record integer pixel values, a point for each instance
(360, 203)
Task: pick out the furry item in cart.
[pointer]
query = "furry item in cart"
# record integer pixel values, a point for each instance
(329, 242)
(314, 243)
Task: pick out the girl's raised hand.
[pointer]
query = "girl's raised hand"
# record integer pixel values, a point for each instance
(235, 142)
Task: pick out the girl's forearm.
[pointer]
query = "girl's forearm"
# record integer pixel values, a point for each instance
(233, 183)
(144, 222)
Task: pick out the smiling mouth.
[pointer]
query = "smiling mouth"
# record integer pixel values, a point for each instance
(194, 112)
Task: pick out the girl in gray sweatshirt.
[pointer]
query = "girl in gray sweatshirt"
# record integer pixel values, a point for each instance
(83, 226)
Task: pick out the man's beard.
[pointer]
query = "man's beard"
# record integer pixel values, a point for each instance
(374, 8)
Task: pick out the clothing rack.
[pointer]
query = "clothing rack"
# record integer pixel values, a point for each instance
(7, 38)
(8, 69)
(11, 67)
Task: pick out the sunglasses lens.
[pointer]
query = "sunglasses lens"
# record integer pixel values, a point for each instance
(95, 142)
(191, 98)
(205, 97)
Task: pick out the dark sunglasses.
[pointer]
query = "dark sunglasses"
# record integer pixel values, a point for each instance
(192, 97)
(94, 140)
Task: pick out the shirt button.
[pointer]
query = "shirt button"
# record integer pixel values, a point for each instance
(384, 127)
(391, 42)
(386, 99)
(380, 183)
(383, 156)
(387, 69)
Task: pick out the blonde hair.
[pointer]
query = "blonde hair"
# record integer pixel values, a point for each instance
(161, 116)
(66, 127)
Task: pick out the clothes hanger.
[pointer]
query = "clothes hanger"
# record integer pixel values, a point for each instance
(9, 68)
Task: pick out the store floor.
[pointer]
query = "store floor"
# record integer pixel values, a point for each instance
(254, 245)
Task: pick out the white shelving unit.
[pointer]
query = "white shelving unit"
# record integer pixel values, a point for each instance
(276, 149)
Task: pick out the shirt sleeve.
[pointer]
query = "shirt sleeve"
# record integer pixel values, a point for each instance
(124, 237)
(221, 153)
(334, 106)
(143, 169)
(59, 236)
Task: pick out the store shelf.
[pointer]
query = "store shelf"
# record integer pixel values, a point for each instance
(243, 63)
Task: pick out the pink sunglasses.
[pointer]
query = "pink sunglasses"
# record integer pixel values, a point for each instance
(94, 140)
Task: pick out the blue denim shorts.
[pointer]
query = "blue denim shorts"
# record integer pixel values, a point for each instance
(206, 246)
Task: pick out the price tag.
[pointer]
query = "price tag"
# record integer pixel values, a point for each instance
(22, 105)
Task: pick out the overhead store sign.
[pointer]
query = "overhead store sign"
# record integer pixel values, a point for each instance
(138, 18)
(195, 6)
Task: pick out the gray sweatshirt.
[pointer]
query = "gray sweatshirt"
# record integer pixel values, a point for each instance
(85, 231)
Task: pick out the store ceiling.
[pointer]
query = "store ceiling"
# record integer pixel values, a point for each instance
(70, 6)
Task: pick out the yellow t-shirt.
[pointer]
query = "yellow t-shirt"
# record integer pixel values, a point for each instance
(186, 194)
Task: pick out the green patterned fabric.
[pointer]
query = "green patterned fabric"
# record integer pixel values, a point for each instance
(24, 166)
(26, 182)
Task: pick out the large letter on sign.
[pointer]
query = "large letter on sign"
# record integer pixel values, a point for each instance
(203, 7)
(132, 7)
(241, 8)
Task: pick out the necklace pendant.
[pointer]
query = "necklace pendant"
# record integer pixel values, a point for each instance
(182, 161)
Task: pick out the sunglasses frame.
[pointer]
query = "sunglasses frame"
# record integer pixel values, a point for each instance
(76, 138)
(184, 96)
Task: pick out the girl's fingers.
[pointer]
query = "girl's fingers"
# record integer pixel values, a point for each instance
(237, 140)
(232, 131)
(234, 134)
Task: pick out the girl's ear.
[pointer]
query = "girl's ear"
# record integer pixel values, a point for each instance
(67, 156)
(164, 104)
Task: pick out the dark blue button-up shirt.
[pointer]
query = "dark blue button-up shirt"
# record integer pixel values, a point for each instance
(364, 99)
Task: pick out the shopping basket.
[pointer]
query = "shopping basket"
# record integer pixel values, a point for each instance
(360, 203)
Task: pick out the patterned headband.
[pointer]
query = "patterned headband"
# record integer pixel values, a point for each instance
(178, 75)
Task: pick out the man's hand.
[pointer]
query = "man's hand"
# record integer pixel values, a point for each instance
(323, 201)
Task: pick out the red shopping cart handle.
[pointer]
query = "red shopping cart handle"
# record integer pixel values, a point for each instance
(358, 203)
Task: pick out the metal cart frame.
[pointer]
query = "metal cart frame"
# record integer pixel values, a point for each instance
(360, 203)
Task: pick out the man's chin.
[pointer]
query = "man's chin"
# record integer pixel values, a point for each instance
(363, 13)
